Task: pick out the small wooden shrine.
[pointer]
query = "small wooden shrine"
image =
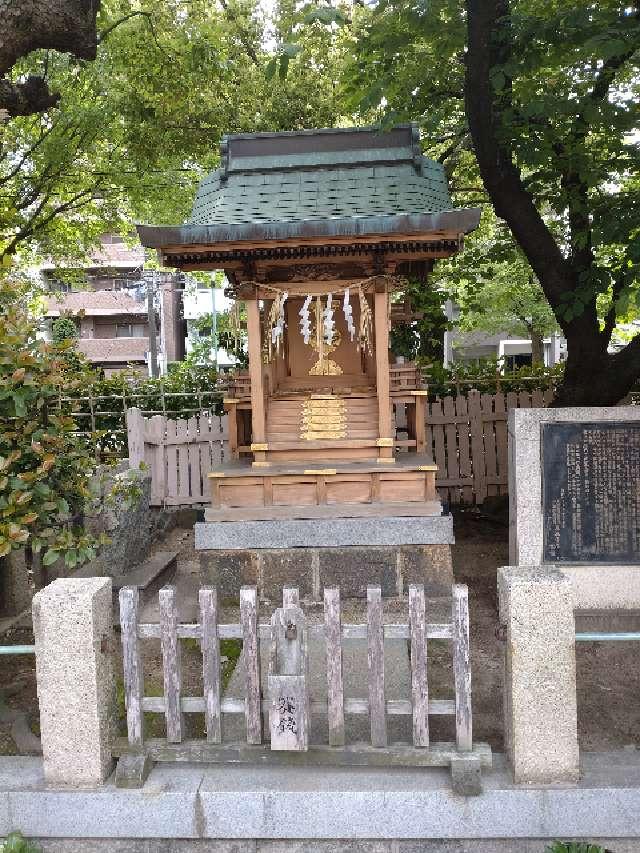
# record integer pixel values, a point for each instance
(318, 232)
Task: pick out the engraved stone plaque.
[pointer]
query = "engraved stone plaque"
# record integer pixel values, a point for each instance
(591, 492)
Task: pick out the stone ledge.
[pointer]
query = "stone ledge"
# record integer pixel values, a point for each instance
(190, 801)
(324, 533)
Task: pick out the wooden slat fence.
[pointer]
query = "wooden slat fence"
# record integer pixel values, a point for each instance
(467, 436)
(468, 440)
(332, 633)
(178, 453)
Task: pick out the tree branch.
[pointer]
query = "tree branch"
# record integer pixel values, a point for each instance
(242, 35)
(102, 36)
(486, 20)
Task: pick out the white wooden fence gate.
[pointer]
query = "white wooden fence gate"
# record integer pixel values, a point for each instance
(178, 453)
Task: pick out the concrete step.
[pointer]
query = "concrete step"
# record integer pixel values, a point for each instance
(155, 572)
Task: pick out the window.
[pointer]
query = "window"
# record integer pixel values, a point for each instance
(131, 330)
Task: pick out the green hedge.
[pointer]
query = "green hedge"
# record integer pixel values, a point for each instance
(488, 377)
(99, 405)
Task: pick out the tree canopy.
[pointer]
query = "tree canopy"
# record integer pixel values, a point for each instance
(535, 103)
(135, 130)
(531, 105)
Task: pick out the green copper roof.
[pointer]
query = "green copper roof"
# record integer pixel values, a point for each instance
(355, 181)
(372, 179)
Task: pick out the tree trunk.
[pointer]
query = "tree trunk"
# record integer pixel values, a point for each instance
(537, 347)
(28, 25)
(592, 376)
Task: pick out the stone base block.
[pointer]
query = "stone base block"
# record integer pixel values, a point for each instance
(381, 531)
(466, 775)
(313, 569)
(132, 770)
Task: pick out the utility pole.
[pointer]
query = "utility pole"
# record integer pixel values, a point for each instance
(151, 319)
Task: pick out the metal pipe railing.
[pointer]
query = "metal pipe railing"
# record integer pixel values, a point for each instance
(17, 650)
(606, 636)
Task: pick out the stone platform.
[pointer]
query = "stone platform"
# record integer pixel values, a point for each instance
(352, 568)
(227, 809)
(350, 525)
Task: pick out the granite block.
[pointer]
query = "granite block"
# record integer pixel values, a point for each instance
(540, 674)
(354, 569)
(430, 565)
(73, 630)
(285, 567)
(324, 533)
(228, 571)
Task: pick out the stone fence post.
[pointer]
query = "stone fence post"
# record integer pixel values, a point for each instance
(73, 628)
(541, 738)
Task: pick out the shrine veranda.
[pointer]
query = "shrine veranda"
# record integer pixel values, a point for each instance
(318, 233)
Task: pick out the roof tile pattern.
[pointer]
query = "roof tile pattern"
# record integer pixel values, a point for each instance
(332, 175)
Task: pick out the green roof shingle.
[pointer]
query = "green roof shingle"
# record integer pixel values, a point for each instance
(333, 174)
(330, 183)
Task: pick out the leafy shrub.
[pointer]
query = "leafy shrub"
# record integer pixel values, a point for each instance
(64, 329)
(45, 467)
(17, 843)
(575, 847)
(489, 376)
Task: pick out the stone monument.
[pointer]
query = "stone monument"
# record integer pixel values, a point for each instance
(574, 495)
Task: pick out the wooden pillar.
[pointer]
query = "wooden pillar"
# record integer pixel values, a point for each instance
(231, 408)
(420, 398)
(258, 428)
(381, 320)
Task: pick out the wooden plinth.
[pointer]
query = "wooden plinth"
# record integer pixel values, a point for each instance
(322, 491)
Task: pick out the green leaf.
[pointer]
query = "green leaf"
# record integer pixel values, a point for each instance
(271, 68)
(50, 557)
(325, 15)
(284, 67)
(19, 404)
(290, 50)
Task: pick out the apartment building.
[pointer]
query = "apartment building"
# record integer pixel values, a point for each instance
(108, 301)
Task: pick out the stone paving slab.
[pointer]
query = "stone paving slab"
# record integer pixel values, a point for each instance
(190, 801)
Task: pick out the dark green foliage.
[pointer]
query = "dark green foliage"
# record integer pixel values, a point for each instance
(489, 377)
(575, 847)
(64, 329)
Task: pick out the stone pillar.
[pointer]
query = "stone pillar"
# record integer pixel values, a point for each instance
(541, 737)
(72, 624)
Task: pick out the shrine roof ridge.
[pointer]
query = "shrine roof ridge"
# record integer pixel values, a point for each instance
(326, 147)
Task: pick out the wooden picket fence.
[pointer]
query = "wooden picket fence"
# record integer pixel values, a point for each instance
(178, 453)
(467, 436)
(332, 634)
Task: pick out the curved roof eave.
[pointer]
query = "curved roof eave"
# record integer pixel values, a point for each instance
(461, 221)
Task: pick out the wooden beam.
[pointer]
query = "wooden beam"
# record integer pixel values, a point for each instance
(381, 303)
(295, 242)
(258, 427)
